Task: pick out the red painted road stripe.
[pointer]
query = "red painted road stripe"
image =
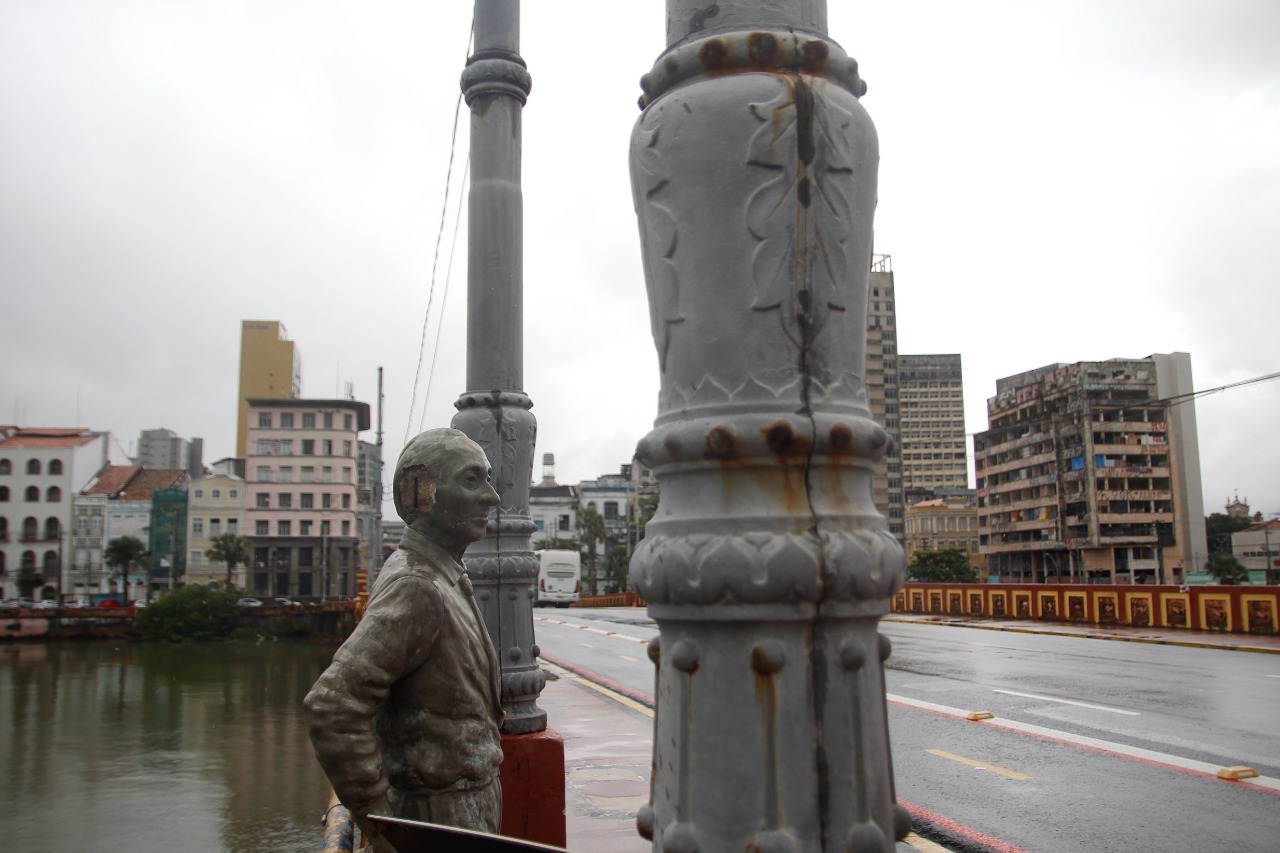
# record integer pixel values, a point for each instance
(636, 695)
(946, 823)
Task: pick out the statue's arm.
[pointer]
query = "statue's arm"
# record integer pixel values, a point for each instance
(392, 639)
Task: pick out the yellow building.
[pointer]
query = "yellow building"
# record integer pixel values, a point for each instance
(269, 368)
(950, 522)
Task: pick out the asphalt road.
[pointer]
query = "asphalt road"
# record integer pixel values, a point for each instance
(1095, 745)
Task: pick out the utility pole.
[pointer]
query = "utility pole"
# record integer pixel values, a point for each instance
(767, 566)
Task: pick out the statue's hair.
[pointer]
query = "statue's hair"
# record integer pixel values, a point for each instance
(424, 455)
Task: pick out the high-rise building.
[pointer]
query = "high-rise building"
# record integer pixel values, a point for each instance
(882, 388)
(931, 418)
(1091, 471)
(369, 493)
(302, 505)
(270, 368)
(163, 448)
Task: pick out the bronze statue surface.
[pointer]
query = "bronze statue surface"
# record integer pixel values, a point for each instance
(405, 721)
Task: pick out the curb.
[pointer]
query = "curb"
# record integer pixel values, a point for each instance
(1086, 636)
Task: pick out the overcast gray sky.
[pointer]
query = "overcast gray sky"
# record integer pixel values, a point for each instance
(1059, 181)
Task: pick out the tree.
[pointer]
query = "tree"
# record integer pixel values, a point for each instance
(1226, 569)
(194, 613)
(232, 549)
(945, 565)
(27, 581)
(121, 553)
(591, 530)
(616, 564)
(1218, 528)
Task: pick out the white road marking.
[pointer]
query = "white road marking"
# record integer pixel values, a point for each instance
(1135, 752)
(614, 634)
(630, 658)
(586, 645)
(1069, 702)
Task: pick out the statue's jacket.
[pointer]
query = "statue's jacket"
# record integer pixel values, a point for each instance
(413, 697)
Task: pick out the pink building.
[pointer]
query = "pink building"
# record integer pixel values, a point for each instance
(301, 508)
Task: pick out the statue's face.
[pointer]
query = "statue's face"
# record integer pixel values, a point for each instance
(463, 496)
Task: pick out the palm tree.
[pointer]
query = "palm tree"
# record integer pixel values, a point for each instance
(121, 553)
(232, 549)
(591, 530)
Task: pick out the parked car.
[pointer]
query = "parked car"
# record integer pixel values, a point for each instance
(47, 604)
(78, 602)
(249, 602)
(140, 603)
(286, 602)
(108, 603)
(15, 603)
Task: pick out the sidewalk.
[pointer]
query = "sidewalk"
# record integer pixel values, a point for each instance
(1265, 643)
(607, 753)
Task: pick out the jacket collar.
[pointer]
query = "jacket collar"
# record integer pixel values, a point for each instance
(415, 543)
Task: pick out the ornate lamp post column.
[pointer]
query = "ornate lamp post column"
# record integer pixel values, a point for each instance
(494, 412)
(767, 566)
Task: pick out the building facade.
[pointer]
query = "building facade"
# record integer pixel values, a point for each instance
(163, 448)
(215, 506)
(1091, 472)
(270, 368)
(931, 417)
(41, 470)
(950, 522)
(302, 500)
(1258, 549)
(882, 389)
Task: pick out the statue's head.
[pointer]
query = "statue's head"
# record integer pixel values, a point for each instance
(442, 487)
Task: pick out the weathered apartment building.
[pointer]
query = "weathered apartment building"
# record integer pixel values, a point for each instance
(1091, 471)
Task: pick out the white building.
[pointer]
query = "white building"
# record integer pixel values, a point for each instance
(1258, 550)
(41, 469)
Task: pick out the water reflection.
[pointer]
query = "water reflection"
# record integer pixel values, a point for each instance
(159, 748)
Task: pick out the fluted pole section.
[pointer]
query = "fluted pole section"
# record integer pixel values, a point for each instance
(494, 411)
(767, 566)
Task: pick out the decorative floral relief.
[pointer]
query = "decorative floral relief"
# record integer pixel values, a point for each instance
(801, 214)
(658, 239)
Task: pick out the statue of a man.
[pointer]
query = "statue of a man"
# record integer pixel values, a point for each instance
(405, 720)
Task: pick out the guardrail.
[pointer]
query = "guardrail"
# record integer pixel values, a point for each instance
(620, 599)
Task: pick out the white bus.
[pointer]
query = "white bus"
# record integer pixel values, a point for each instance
(559, 577)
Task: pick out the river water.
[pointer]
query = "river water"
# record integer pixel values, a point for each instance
(155, 748)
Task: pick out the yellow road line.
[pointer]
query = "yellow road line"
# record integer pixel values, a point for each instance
(981, 765)
(923, 844)
(617, 697)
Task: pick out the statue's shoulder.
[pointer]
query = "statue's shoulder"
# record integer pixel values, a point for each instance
(403, 566)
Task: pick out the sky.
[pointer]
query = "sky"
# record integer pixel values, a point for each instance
(1060, 181)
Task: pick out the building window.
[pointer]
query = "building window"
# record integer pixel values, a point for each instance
(233, 525)
(346, 421)
(5, 468)
(286, 447)
(610, 510)
(264, 447)
(52, 527)
(308, 447)
(260, 528)
(4, 494)
(308, 420)
(284, 500)
(197, 526)
(328, 420)
(286, 473)
(326, 501)
(30, 529)
(326, 474)
(562, 523)
(264, 474)
(284, 528)
(33, 494)
(199, 494)
(306, 500)
(324, 528)
(263, 500)
(346, 528)
(264, 420)
(53, 494)
(346, 448)
(233, 494)
(55, 467)
(304, 527)
(305, 558)
(286, 420)
(326, 447)
(33, 466)
(4, 530)
(308, 474)
(346, 475)
(217, 494)
(215, 527)
(346, 501)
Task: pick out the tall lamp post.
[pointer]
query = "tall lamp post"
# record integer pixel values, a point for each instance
(767, 566)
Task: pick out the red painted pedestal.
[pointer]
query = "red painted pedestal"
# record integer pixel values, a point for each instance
(533, 801)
